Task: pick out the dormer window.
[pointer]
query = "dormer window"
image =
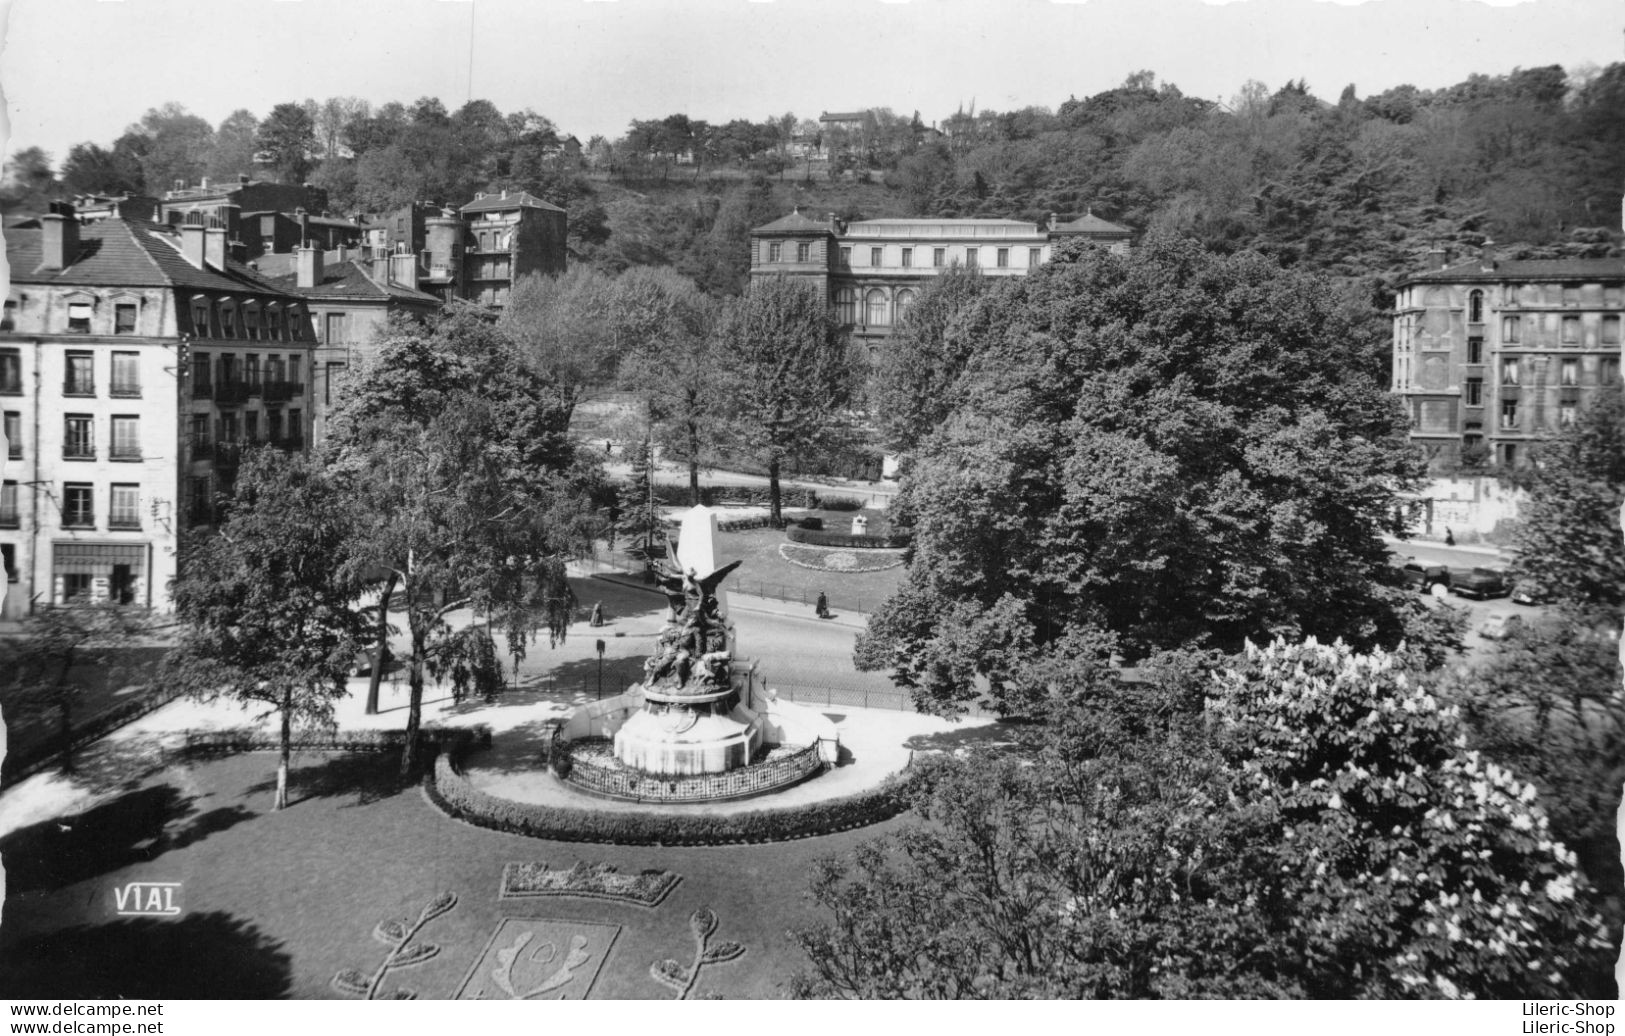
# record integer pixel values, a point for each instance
(200, 319)
(124, 318)
(228, 321)
(9, 321)
(251, 317)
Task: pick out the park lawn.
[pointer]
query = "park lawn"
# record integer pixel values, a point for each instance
(765, 573)
(276, 904)
(101, 688)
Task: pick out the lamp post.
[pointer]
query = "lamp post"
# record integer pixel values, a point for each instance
(600, 670)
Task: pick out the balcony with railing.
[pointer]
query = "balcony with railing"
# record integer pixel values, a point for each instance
(231, 393)
(281, 391)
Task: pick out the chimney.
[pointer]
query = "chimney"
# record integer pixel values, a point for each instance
(59, 237)
(403, 269)
(237, 250)
(1054, 221)
(380, 266)
(203, 183)
(344, 253)
(231, 217)
(303, 219)
(308, 266)
(214, 245)
(1438, 258)
(1486, 256)
(242, 179)
(192, 242)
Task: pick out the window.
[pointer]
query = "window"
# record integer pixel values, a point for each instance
(228, 369)
(228, 429)
(296, 425)
(14, 434)
(335, 371)
(1509, 329)
(874, 257)
(1566, 414)
(846, 256)
(78, 437)
(846, 306)
(273, 425)
(200, 319)
(293, 370)
(126, 437)
(970, 257)
(874, 308)
(908, 258)
(1509, 454)
(251, 426)
(252, 370)
(1512, 294)
(276, 370)
(251, 317)
(11, 371)
(905, 302)
(81, 375)
(1569, 372)
(1475, 349)
(273, 323)
(200, 376)
(124, 318)
(1473, 391)
(1034, 256)
(774, 251)
(1571, 330)
(1571, 295)
(9, 518)
(1612, 296)
(79, 318)
(1509, 413)
(8, 553)
(78, 506)
(124, 508)
(296, 324)
(127, 375)
(336, 334)
(9, 320)
(1509, 371)
(803, 251)
(1610, 330)
(1608, 370)
(1475, 307)
(228, 321)
(200, 431)
(1002, 258)
(75, 585)
(939, 257)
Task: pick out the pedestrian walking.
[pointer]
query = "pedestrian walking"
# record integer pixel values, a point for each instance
(822, 608)
(598, 613)
(1449, 537)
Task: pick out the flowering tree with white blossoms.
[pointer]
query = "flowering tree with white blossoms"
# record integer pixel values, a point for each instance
(1422, 865)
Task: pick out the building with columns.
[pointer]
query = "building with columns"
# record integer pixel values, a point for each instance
(873, 270)
(1493, 357)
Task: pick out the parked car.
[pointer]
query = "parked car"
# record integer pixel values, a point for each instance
(1529, 593)
(1500, 627)
(1425, 577)
(1480, 583)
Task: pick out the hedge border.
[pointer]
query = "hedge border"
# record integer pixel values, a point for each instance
(254, 739)
(825, 538)
(456, 796)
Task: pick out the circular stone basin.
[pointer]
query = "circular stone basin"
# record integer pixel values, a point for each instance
(683, 742)
(594, 768)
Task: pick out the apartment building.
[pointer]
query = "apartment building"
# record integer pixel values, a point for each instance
(137, 361)
(1493, 357)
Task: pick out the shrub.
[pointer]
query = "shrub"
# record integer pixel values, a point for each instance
(254, 739)
(457, 796)
(816, 538)
(812, 522)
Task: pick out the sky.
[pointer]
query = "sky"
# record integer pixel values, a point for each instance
(83, 70)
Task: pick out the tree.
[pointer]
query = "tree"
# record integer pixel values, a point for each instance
(672, 363)
(1316, 831)
(1161, 445)
(90, 169)
(1568, 538)
(40, 662)
(27, 179)
(266, 607)
(467, 482)
(236, 142)
(287, 139)
(177, 147)
(790, 373)
(568, 328)
(912, 389)
(638, 508)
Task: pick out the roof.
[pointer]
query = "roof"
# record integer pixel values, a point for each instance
(795, 223)
(120, 252)
(1524, 270)
(352, 279)
(843, 116)
(1089, 223)
(518, 200)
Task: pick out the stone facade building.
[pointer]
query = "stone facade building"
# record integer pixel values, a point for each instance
(136, 362)
(1493, 357)
(478, 252)
(873, 270)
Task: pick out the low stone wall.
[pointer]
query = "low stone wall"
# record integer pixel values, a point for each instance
(593, 768)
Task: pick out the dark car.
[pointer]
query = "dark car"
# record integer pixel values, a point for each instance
(1425, 577)
(1479, 583)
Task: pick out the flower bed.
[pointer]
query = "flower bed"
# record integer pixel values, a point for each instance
(457, 796)
(824, 559)
(825, 538)
(592, 767)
